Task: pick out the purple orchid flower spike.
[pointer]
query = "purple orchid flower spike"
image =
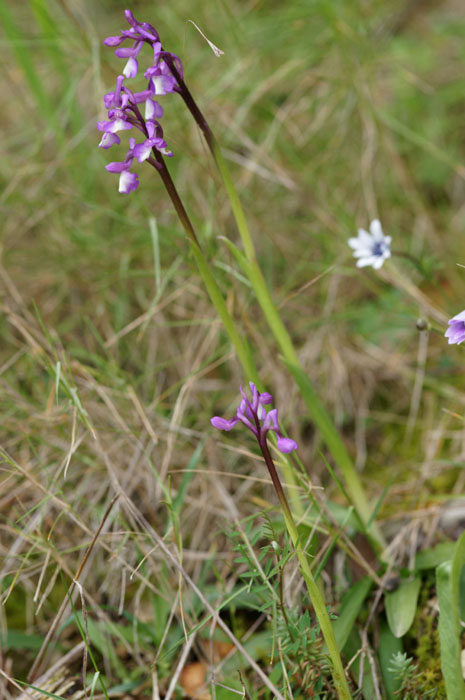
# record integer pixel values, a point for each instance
(123, 104)
(254, 416)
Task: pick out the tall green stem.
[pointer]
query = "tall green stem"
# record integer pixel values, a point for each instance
(337, 669)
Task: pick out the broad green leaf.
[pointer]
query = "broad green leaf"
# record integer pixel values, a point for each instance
(401, 605)
(432, 557)
(15, 639)
(388, 645)
(448, 585)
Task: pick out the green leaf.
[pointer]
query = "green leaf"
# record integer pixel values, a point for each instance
(350, 607)
(432, 557)
(15, 639)
(401, 605)
(388, 645)
(448, 585)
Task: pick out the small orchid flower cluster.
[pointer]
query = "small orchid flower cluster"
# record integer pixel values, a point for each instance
(255, 417)
(123, 104)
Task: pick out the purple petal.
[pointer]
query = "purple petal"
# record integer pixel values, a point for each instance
(456, 331)
(255, 396)
(151, 31)
(162, 84)
(129, 33)
(248, 411)
(127, 51)
(261, 412)
(141, 28)
(222, 423)
(265, 398)
(458, 317)
(114, 125)
(117, 167)
(176, 61)
(156, 50)
(152, 110)
(113, 40)
(150, 129)
(271, 421)
(248, 423)
(286, 445)
(103, 126)
(142, 151)
(128, 182)
(131, 19)
(109, 140)
(142, 96)
(160, 145)
(109, 100)
(131, 68)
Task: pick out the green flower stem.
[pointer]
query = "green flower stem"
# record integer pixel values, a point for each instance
(337, 669)
(314, 406)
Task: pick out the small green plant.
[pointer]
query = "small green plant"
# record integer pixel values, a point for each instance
(414, 684)
(295, 635)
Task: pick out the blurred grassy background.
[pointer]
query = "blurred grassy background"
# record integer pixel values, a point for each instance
(112, 361)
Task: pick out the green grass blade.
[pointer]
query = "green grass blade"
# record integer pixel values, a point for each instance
(39, 690)
(351, 605)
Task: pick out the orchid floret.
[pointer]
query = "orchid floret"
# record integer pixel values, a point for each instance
(253, 415)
